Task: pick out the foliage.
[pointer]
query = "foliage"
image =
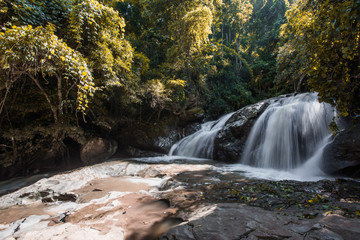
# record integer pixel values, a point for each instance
(324, 36)
(165, 95)
(98, 32)
(227, 89)
(38, 54)
(261, 42)
(191, 32)
(54, 56)
(35, 13)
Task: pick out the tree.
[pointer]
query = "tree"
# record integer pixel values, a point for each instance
(37, 54)
(190, 33)
(261, 43)
(54, 56)
(44, 84)
(35, 13)
(324, 36)
(97, 31)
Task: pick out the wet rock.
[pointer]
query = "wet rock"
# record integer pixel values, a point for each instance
(66, 197)
(342, 155)
(230, 141)
(47, 196)
(323, 234)
(46, 193)
(156, 140)
(231, 221)
(284, 209)
(48, 200)
(97, 150)
(190, 129)
(24, 195)
(347, 228)
(97, 190)
(138, 153)
(237, 221)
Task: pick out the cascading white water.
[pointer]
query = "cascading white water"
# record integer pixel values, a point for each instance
(201, 143)
(290, 132)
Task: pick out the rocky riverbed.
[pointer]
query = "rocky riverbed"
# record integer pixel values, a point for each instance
(192, 200)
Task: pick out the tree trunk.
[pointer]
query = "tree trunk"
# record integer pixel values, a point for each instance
(52, 107)
(60, 97)
(222, 40)
(302, 77)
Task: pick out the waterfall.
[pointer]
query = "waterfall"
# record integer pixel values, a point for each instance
(290, 132)
(201, 143)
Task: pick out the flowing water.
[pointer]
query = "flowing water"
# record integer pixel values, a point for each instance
(291, 132)
(286, 142)
(201, 143)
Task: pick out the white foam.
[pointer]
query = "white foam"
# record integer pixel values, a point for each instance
(273, 174)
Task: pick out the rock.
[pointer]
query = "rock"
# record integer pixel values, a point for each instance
(342, 155)
(190, 129)
(347, 228)
(67, 197)
(231, 221)
(46, 193)
(47, 200)
(150, 140)
(97, 150)
(227, 221)
(138, 153)
(147, 140)
(230, 141)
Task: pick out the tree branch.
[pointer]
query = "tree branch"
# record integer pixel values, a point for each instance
(53, 109)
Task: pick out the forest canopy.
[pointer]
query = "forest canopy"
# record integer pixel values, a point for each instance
(321, 40)
(70, 67)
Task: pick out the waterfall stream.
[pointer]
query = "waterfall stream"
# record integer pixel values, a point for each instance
(290, 133)
(201, 143)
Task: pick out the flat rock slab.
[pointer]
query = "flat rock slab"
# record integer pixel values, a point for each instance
(227, 221)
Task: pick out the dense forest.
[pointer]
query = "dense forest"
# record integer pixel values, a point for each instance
(72, 69)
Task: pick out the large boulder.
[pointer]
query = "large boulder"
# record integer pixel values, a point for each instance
(97, 150)
(230, 141)
(342, 155)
